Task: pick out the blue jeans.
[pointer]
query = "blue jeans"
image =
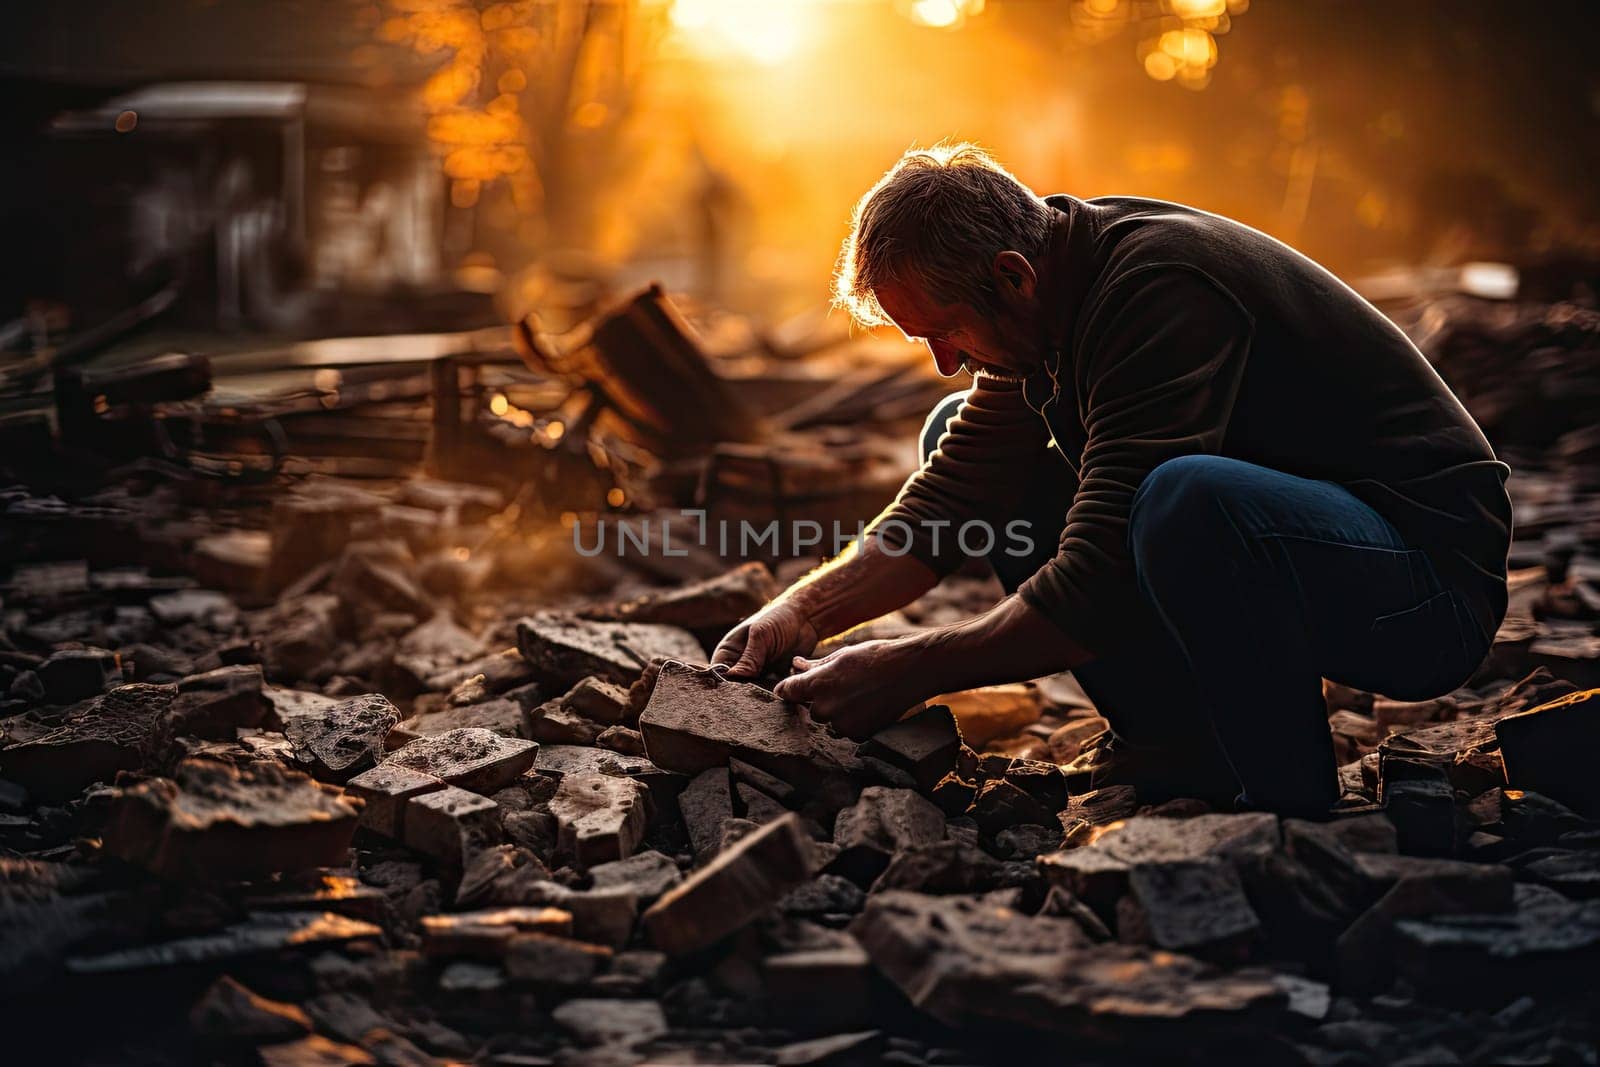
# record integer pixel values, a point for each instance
(1256, 585)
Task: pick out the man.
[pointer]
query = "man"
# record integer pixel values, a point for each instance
(1239, 479)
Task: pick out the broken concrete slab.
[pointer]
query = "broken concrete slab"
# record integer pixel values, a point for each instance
(600, 817)
(698, 719)
(742, 882)
(1549, 749)
(1545, 942)
(373, 582)
(470, 758)
(1198, 907)
(450, 825)
(973, 960)
(1097, 873)
(883, 822)
(384, 791)
(344, 740)
(923, 745)
(564, 649)
(1411, 887)
(218, 703)
(215, 822)
(110, 733)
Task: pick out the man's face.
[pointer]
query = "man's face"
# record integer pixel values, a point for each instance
(1005, 344)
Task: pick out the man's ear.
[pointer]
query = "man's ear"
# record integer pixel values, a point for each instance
(1014, 278)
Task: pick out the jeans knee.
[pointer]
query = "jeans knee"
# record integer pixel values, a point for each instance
(934, 426)
(1179, 511)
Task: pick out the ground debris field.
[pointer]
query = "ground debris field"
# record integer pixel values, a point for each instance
(331, 770)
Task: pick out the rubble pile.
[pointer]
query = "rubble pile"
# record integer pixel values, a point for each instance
(403, 790)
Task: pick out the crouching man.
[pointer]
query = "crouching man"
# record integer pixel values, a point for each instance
(1233, 477)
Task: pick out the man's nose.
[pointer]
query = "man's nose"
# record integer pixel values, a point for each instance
(946, 357)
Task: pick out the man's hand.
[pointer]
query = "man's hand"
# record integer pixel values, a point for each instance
(860, 689)
(772, 635)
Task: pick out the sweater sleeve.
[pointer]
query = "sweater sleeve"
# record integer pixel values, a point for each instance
(1158, 364)
(978, 473)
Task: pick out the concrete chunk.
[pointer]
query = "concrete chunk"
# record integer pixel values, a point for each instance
(883, 822)
(1198, 907)
(697, 719)
(704, 805)
(346, 739)
(646, 874)
(923, 745)
(600, 817)
(470, 758)
(108, 735)
(75, 674)
(1098, 873)
(969, 961)
(1550, 749)
(451, 824)
(216, 822)
(564, 649)
(384, 791)
(742, 882)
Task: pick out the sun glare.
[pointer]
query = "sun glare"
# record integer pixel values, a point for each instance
(768, 31)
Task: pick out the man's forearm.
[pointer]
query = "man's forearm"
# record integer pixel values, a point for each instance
(1011, 642)
(862, 583)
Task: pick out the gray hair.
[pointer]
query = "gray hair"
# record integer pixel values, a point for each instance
(936, 220)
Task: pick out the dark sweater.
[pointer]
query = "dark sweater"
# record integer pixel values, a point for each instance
(1178, 332)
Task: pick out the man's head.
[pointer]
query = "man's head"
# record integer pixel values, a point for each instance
(948, 247)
